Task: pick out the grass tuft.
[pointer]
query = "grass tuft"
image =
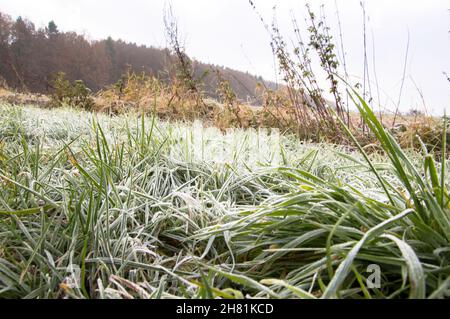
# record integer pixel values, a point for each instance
(97, 206)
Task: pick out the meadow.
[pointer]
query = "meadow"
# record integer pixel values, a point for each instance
(125, 206)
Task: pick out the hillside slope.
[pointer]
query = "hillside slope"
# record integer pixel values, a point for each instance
(29, 57)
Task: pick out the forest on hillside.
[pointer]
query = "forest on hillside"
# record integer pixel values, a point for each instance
(30, 57)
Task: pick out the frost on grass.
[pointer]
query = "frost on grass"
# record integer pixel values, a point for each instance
(139, 208)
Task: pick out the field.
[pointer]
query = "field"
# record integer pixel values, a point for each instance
(99, 206)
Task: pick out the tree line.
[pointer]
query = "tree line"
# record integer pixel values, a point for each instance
(30, 57)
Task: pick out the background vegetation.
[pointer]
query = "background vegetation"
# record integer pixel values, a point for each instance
(30, 57)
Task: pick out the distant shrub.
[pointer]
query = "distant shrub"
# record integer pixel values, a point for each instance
(415, 112)
(425, 133)
(75, 94)
(3, 84)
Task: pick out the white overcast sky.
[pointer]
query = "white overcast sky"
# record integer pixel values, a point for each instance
(229, 33)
